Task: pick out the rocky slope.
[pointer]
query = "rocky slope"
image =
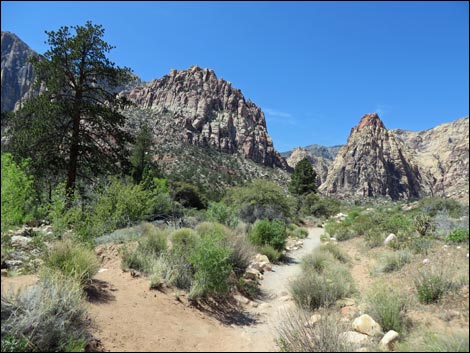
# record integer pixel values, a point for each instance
(195, 107)
(374, 163)
(320, 164)
(17, 73)
(443, 152)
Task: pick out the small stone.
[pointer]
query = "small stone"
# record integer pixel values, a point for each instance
(391, 237)
(353, 337)
(315, 318)
(19, 240)
(389, 339)
(425, 261)
(13, 263)
(252, 273)
(261, 258)
(459, 247)
(4, 272)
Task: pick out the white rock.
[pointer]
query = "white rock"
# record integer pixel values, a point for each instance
(102, 270)
(261, 258)
(425, 261)
(333, 239)
(391, 237)
(367, 325)
(252, 273)
(459, 247)
(389, 339)
(18, 240)
(313, 320)
(353, 337)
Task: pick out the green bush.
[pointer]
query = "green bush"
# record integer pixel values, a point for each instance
(221, 213)
(248, 288)
(313, 290)
(172, 268)
(272, 233)
(458, 236)
(46, 317)
(188, 195)
(341, 231)
(212, 229)
(424, 224)
(296, 232)
(184, 239)
(17, 192)
(260, 200)
(432, 282)
(241, 252)
(212, 268)
(374, 238)
(272, 254)
(433, 342)
(313, 205)
(73, 260)
(433, 205)
(388, 306)
(317, 261)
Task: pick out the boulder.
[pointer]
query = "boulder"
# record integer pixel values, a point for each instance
(19, 240)
(354, 338)
(252, 273)
(261, 258)
(367, 325)
(391, 237)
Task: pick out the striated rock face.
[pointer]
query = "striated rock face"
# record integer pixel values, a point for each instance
(373, 163)
(205, 111)
(443, 152)
(320, 164)
(17, 73)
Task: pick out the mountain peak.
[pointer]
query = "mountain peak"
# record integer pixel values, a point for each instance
(370, 119)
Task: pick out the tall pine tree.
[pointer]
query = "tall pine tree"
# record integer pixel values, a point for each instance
(74, 126)
(303, 179)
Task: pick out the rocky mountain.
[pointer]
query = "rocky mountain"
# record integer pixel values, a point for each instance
(319, 164)
(374, 162)
(17, 73)
(317, 150)
(443, 152)
(196, 107)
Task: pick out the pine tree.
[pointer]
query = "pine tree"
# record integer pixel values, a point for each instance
(74, 126)
(303, 179)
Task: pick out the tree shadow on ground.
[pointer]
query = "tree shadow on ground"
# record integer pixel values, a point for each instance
(99, 292)
(225, 310)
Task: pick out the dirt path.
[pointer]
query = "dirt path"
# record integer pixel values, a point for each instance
(129, 317)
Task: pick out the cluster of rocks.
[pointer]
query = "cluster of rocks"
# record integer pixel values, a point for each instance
(257, 267)
(22, 251)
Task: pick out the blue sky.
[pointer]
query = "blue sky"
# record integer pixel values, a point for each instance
(313, 67)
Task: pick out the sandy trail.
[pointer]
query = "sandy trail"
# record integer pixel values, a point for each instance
(129, 317)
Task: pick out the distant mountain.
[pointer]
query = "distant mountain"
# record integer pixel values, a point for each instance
(443, 152)
(17, 73)
(374, 163)
(317, 150)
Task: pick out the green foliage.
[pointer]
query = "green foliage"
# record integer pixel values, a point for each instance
(73, 260)
(272, 254)
(241, 251)
(260, 200)
(388, 306)
(432, 282)
(313, 205)
(317, 261)
(46, 317)
(212, 229)
(313, 290)
(17, 192)
(304, 178)
(424, 224)
(432, 205)
(374, 238)
(248, 288)
(188, 195)
(426, 341)
(458, 236)
(74, 127)
(221, 213)
(142, 166)
(267, 232)
(184, 239)
(212, 268)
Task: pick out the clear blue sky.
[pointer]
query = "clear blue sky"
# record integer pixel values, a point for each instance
(313, 67)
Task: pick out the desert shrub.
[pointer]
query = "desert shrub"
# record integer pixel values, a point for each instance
(172, 268)
(241, 252)
(363, 223)
(433, 281)
(221, 213)
(424, 224)
(458, 236)
(46, 317)
(184, 239)
(267, 232)
(313, 290)
(260, 200)
(17, 192)
(374, 238)
(313, 205)
(188, 195)
(397, 223)
(334, 250)
(341, 231)
(73, 260)
(432, 205)
(420, 245)
(296, 232)
(119, 236)
(272, 254)
(316, 261)
(388, 306)
(394, 261)
(212, 229)
(249, 288)
(212, 268)
(324, 336)
(433, 342)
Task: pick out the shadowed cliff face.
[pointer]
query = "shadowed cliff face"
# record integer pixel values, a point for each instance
(373, 163)
(205, 111)
(17, 73)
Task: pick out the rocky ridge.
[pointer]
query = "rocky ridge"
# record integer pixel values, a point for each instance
(17, 73)
(374, 163)
(195, 107)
